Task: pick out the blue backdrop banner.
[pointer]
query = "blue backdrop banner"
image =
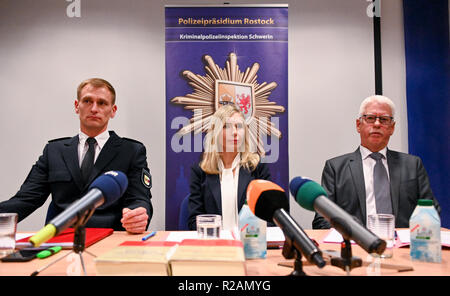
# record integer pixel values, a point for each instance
(426, 26)
(216, 54)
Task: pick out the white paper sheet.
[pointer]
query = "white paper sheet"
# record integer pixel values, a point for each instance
(178, 236)
(405, 239)
(274, 234)
(334, 237)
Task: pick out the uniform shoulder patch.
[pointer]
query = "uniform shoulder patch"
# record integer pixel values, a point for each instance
(59, 139)
(146, 178)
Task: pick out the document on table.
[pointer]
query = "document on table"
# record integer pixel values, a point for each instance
(178, 236)
(334, 237)
(404, 238)
(274, 234)
(20, 235)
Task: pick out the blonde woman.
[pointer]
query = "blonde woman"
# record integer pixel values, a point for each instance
(229, 162)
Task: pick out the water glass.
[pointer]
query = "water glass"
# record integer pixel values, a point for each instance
(383, 225)
(8, 226)
(208, 226)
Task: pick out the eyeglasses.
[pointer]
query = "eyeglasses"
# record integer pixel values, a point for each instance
(384, 120)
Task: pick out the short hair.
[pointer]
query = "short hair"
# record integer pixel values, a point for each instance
(379, 99)
(97, 83)
(210, 157)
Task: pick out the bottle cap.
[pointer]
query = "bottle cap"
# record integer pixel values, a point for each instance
(425, 202)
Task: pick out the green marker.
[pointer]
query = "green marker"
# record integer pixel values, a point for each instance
(48, 252)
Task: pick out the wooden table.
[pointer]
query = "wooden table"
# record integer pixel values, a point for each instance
(371, 266)
(259, 267)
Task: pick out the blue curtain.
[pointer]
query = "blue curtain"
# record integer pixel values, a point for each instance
(426, 26)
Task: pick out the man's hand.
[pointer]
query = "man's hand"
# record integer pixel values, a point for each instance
(134, 221)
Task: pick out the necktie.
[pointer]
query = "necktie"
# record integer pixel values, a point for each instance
(88, 160)
(381, 186)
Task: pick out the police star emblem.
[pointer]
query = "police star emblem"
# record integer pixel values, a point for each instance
(229, 85)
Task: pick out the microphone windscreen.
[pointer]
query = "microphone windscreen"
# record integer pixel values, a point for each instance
(296, 183)
(264, 198)
(307, 193)
(112, 184)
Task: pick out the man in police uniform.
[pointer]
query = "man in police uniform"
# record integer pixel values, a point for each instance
(69, 165)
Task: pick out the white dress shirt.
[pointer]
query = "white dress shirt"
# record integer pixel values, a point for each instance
(83, 145)
(368, 166)
(228, 190)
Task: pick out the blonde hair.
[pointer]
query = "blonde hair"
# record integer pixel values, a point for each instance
(211, 156)
(97, 83)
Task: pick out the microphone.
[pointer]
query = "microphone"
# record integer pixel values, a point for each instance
(313, 197)
(268, 201)
(104, 191)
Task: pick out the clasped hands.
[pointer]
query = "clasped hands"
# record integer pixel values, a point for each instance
(134, 221)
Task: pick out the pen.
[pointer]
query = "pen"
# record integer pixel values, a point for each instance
(149, 235)
(48, 252)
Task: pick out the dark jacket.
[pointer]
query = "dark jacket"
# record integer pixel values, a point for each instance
(205, 193)
(343, 179)
(57, 172)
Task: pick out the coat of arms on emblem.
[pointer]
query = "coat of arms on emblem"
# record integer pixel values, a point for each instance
(230, 86)
(240, 94)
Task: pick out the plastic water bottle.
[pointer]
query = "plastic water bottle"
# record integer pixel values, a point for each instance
(425, 229)
(253, 234)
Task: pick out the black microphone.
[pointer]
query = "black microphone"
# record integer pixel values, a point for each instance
(313, 197)
(104, 191)
(269, 202)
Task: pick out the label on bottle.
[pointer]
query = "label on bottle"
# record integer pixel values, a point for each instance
(425, 236)
(253, 234)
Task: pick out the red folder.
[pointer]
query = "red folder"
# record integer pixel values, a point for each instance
(65, 238)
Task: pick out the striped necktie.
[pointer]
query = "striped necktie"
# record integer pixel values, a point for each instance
(381, 185)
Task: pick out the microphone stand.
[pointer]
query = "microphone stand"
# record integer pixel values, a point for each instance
(346, 262)
(79, 240)
(289, 252)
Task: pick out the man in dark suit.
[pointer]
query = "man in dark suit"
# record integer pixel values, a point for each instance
(68, 166)
(351, 179)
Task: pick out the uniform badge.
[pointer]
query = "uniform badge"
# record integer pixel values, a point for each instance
(146, 179)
